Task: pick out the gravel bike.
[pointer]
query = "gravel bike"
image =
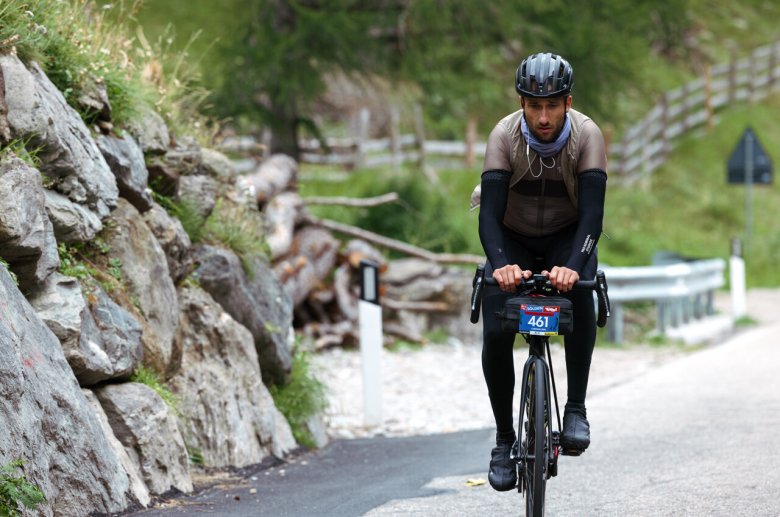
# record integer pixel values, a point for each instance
(537, 313)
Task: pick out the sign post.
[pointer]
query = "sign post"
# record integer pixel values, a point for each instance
(749, 164)
(370, 321)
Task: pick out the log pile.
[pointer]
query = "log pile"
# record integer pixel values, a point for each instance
(319, 272)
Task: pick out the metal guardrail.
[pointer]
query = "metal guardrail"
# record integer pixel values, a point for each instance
(682, 291)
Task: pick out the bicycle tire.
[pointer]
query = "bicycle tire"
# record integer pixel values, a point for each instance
(537, 440)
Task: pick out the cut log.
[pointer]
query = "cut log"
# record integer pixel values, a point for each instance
(298, 278)
(405, 305)
(345, 298)
(319, 247)
(351, 201)
(403, 247)
(402, 332)
(281, 215)
(274, 175)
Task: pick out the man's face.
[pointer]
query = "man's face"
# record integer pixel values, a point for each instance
(545, 117)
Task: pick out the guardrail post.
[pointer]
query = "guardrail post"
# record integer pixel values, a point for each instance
(737, 280)
(615, 324)
(370, 321)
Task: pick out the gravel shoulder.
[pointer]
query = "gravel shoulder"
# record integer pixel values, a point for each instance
(440, 388)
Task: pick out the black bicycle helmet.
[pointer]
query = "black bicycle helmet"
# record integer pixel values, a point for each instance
(544, 75)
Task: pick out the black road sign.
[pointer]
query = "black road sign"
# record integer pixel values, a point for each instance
(749, 155)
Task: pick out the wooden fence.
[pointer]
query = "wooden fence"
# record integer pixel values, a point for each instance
(642, 149)
(645, 146)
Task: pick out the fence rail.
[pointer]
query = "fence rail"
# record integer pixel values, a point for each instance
(682, 292)
(642, 149)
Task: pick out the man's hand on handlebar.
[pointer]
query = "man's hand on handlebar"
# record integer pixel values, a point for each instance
(562, 278)
(509, 276)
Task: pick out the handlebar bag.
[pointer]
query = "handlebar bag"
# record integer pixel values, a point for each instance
(537, 315)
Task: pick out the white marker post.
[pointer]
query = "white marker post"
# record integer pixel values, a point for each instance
(370, 319)
(737, 280)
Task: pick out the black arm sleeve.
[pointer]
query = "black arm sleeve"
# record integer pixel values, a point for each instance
(495, 186)
(590, 208)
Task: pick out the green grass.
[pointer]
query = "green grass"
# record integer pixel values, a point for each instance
(688, 208)
(151, 378)
(302, 397)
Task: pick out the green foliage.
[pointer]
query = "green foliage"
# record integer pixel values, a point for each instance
(83, 43)
(694, 211)
(70, 265)
(418, 217)
(16, 490)
(8, 268)
(195, 455)
(301, 398)
(239, 228)
(186, 212)
(149, 377)
(18, 147)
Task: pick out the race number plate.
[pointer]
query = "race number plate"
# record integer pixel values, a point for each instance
(539, 320)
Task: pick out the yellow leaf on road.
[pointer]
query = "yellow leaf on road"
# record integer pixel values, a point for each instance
(475, 482)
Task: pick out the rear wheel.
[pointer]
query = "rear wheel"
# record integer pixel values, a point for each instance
(537, 440)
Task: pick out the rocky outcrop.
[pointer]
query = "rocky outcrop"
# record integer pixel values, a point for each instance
(226, 411)
(145, 272)
(260, 305)
(26, 236)
(92, 441)
(147, 429)
(69, 156)
(149, 130)
(137, 486)
(126, 160)
(72, 222)
(47, 421)
(100, 342)
(174, 241)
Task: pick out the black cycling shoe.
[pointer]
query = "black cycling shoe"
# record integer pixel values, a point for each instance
(576, 429)
(503, 469)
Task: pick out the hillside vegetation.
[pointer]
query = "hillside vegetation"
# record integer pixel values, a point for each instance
(685, 207)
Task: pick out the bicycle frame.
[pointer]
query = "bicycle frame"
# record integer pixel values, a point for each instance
(536, 391)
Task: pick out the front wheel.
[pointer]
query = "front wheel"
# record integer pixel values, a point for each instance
(537, 442)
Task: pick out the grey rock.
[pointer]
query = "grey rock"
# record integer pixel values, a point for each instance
(72, 222)
(217, 165)
(126, 160)
(94, 97)
(119, 331)
(69, 155)
(200, 191)
(137, 485)
(317, 431)
(26, 234)
(174, 241)
(46, 420)
(226, 411)
(100, 343)
(147, 429)
(260, 305)
(185, 157)
(150, 131)
(145, 271)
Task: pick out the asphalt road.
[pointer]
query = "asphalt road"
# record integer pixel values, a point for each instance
(693, 437)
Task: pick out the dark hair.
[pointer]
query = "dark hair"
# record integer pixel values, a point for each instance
(544, 75)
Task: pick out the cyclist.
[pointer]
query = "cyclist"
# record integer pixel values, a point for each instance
(542, 202)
